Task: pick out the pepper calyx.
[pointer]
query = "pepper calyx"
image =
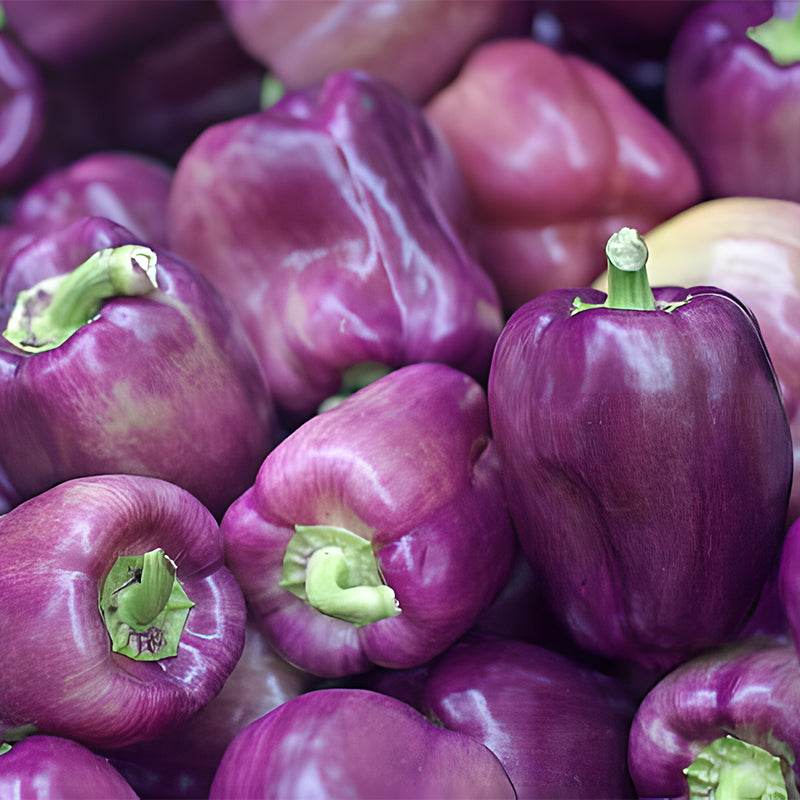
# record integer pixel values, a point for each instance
(780, 37)
(336, 571)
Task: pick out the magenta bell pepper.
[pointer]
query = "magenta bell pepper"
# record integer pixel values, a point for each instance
(723, 724)
(122, 619)
(645, 449)
(557, 155)
(355, 743)
(559, 728)
(302, 43)
(732, 83)
(55, 768)
(182, 762)
(332, 222)
(377, 531)
(133, 363)
(127, 188)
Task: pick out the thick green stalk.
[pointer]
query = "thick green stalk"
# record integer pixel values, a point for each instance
(780, 37)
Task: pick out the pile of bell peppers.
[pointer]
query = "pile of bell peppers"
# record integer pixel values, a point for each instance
(399, 400)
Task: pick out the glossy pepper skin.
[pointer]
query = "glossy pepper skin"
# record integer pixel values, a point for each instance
(643, 452)
(61, 673)
(335, 224)
(162, 384)
(557, 154)
(749, 690)
(355, 743)
(732, 104)
(407, 468)
(49, 767)
(559, 728)
(127, 188)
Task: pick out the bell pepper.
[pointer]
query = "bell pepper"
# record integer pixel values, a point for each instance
(117, 357)
(731, 87)
(182, 762)
(50, 767)
(127, 188)
(559, 728)
(332, 223)
(377, 531)
(302, 43)
(557, 155)
(749, 246)
(125, 620)
(355, 743)
(723, 724)
(644, 448)
(789, 582)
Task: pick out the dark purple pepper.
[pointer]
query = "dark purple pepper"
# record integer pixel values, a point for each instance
(732, 82)
(644, 448)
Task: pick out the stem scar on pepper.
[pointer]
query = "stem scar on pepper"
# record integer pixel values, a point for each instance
(144, 606)
(628, 285)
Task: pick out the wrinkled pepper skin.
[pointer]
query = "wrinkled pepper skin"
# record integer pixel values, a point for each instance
(355, 743)
(559, 728)
(643, 452)
(407, 466)
(749, 689)
(60, 673)
(557, 154)
(50, 767)
(734, 108)
(164, 385)
(332, 221)
(302, 43)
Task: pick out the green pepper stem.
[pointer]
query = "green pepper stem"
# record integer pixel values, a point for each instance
(327, 590)
(628, 285)
(335, 570)
(47, 314)
(732, 769)
(144, 606)
(145, 595)
(780, 38)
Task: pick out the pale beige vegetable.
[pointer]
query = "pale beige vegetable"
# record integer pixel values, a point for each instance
(749, 246)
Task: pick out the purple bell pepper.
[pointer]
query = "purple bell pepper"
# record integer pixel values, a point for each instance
(557, 155)
(732, 82)
(182, 763)
(723, 724)
(22, 113)
(559, 728)
(132, 363)
(302, 43)
(355, 743)
(125, 619)
(54, 768)
(332, 221)
(377, 531)
(623, 420)
(788, 582)
(127, 188)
